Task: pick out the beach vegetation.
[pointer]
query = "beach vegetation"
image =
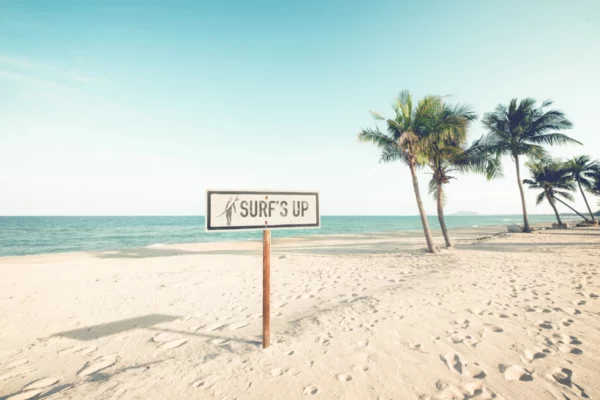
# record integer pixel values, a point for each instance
(521, 129)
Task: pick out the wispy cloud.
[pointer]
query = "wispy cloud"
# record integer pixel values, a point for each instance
(46, 70)
(67, 84)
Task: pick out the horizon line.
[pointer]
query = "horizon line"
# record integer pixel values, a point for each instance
(323, 215)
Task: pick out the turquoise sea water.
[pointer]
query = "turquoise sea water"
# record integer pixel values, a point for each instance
(39, 235)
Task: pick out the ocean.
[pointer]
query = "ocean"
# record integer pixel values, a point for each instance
(39, 235)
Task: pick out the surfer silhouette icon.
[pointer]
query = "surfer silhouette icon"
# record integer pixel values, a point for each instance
(230, 209)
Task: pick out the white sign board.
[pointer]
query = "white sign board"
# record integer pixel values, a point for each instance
(248, 210)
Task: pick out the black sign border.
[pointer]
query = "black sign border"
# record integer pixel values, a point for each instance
(207, 218)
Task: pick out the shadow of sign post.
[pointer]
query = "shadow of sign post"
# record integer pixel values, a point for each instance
(239, 210)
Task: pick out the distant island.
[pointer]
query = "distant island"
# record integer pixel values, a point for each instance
(465, 214)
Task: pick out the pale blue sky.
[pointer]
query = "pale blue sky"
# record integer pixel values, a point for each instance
(108, 109)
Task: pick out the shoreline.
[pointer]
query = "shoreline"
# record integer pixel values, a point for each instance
(242, 244)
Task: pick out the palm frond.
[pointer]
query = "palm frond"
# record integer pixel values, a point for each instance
(552, 139)
(377, 116)
(563, 194)
(540, 198)
(376, 137)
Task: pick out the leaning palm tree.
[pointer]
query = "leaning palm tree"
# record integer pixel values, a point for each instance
(403, 141)
(555, 181)
(446, 152)
(582, 170)
(448, 157)
(522, 129)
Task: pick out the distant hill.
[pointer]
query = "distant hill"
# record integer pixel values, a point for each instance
(465, 214)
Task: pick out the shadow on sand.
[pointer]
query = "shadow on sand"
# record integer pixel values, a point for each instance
(143, 322)
(112, 328)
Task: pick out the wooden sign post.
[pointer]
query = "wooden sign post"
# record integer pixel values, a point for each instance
(266, 288)
(238, 210)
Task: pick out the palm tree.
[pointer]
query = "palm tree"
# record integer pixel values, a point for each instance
(403, 140)
(447, 153)
(582, 169)
(555, 181)
(522, 129)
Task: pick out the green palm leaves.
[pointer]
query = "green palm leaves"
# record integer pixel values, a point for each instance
(432, 133)
(521, 129)
(555, 181)
(585, 172)
(429, 132)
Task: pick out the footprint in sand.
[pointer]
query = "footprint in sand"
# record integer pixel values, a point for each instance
(567, 322)
(172, 344)
(564, 376)
(478, 390)
(531, 355)
(324, 339)
(16, 363)
(466, 339)
(565, 348)
(493, 328)
(515, 373)
(474, 371)
(310, 390)
(417, 347)
(453, 362)
(462, 323)
(362, 368)
(42, 383)
(471, 390)
(165, 337)
(343, 377)
(545, 325)
(206, 382)
(276, 372)
(239, 325)
(213, 327)
(97, 366)
(476, 311)
(16, 372)
(86, 350)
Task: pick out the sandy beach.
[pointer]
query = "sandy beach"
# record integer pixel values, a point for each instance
(505, 316)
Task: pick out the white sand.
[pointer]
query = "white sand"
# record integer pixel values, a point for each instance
(513, 316)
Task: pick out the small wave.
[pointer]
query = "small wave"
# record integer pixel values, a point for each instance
(157, 245)
(474, 226)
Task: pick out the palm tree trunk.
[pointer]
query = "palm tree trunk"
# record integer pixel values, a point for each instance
(586, 202)
(554, 208)
(426, 231)
(440, 213)
(572, 209)
(526, 227)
